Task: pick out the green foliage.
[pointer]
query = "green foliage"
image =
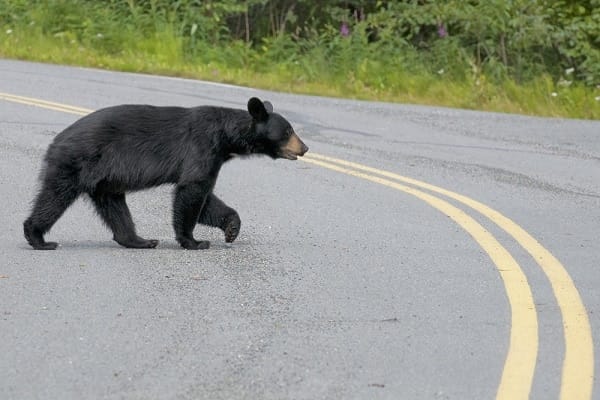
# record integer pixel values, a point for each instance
(475, 53)
(517, 39)
(576, 36)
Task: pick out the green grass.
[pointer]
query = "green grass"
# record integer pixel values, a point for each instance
(274, 67)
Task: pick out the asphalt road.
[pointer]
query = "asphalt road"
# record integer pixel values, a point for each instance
(343, 284)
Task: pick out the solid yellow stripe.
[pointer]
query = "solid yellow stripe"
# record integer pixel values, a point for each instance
(578, 363)
(44, 104)
(519, 366)
(29, 103)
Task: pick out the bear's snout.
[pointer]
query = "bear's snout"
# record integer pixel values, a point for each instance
(293, 148)
(304, 149)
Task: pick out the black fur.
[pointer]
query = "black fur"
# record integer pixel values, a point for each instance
(132, 147)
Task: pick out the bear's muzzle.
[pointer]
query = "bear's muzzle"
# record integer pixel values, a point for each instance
(293, 148)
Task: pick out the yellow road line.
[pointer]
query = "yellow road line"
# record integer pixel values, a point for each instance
(44, 104)
(519, 366)
(578, 363)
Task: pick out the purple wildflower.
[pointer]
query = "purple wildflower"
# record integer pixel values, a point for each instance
(344, 29)
(442, 32)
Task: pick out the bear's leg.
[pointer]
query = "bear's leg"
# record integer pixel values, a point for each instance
(50, 203)
(189, 200)
(220, 215)
(115, 214)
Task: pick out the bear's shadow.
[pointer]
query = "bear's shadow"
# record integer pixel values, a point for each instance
(170, 245)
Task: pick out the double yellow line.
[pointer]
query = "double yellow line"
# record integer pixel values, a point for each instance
(578, 363)
(50, 105)
(519, 367)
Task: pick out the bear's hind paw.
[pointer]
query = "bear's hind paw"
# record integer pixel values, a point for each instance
(45, 246)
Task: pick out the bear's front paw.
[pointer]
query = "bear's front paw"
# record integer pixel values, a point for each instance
(231, 227)
(136, 242)
(192, 244)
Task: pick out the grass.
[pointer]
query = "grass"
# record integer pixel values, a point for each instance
(275, 68)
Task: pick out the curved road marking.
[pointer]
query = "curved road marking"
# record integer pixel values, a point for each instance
(578, 363)
(519, 366)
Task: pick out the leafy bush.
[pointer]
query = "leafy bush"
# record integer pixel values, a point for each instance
(364, 48)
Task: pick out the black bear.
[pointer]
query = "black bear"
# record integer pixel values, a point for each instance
(131, 147)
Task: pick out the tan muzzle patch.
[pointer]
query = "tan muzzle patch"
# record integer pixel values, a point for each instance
(293, 148)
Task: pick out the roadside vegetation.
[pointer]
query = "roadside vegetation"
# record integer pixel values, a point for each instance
(539, 57)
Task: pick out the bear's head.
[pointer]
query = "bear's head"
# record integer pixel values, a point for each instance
(275, 136)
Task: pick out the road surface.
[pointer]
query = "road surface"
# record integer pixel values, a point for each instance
(413, 253)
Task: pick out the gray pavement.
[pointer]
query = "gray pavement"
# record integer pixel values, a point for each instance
(336, 288)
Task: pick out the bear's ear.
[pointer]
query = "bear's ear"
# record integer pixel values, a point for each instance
(257, 109)
(268, 106)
